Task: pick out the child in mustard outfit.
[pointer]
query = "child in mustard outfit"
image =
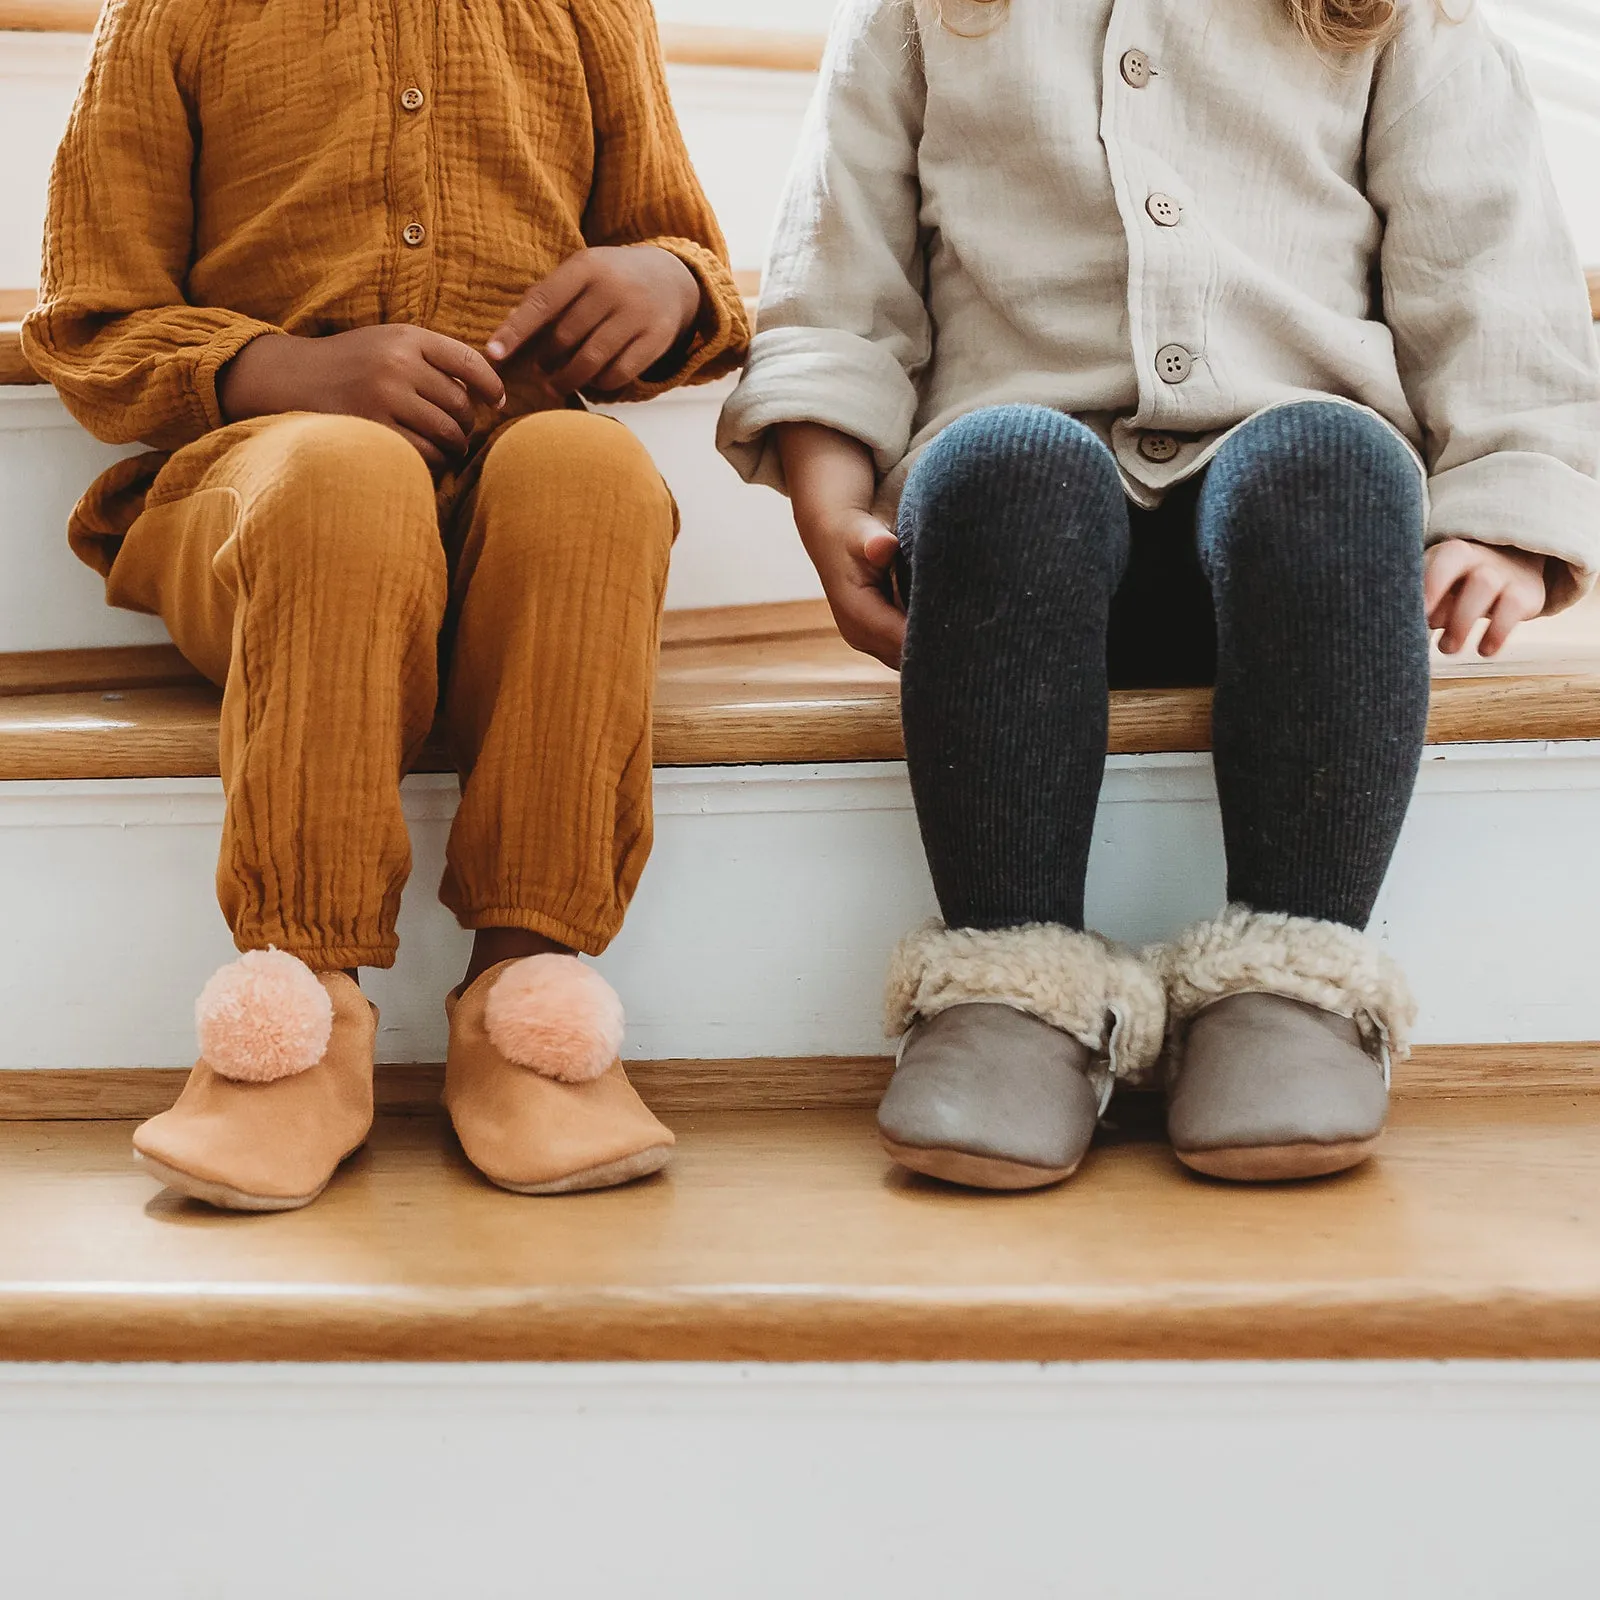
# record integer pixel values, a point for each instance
(346, 270)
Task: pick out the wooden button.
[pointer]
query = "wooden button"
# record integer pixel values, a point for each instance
(414, 234)
(413, 99)
(1173, 363)
(1159, 447)
(1136, 70)
(1164, 210)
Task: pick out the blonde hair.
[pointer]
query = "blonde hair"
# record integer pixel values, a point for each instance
(1337, 25)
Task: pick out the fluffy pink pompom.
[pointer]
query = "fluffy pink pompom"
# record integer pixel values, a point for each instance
(556, 1016)
(263, 1017)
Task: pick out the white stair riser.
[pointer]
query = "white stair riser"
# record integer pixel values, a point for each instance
(738, 544)
(1254, 1481)
(765, 920)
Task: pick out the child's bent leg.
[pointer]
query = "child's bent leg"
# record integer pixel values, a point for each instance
(1015, 528)
(305, 571)
(1311, 530)
(555, 631)
(307, 575)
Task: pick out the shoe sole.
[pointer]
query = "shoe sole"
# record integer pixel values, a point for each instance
(1278, 1163)
(608, 1176)
(221, 1195)
(974, 1172)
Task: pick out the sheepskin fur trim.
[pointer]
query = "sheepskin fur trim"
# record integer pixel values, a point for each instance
(1101, 993)
(1324, 964)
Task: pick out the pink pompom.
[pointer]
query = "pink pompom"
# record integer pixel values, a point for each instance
(556, 1016)
(263, 1017)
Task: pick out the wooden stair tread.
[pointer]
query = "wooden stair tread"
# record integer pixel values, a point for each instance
(742, 684)
(788, 1236)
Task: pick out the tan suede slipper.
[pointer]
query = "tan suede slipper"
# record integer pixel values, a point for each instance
(281, 1095)
(534, 1085)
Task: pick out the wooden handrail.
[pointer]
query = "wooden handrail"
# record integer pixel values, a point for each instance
(685, 44)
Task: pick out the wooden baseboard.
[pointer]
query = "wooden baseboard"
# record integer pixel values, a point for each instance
(97, 1094)
(1476, 1071)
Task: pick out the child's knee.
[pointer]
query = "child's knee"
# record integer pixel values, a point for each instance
(1311, 496)
(1016, 486)
(572, 480)
(344, 491)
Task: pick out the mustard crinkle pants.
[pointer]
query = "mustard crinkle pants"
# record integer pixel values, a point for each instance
(301, 562)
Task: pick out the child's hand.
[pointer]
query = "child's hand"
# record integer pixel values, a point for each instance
(854, 555)
(602, 317)
(831, 482)
(1466, 582)
(421, 384)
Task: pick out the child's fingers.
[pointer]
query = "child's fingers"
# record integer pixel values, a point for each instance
(449, 394)
(438, 427)
(635, 359)
(1509, 613)
(1476, 599)
(463, 363)
(602, 347)
(869, 622)
(429, 452)
(1446, 565)
(566, 336)
(539, 305)
(879, 549)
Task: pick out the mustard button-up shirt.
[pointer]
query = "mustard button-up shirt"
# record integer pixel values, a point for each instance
(310, 166)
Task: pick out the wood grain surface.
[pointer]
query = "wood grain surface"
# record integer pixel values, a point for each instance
(49, 16)
(789, 1236)
(797, 1083)
(683, 44)
(13, 369)
(744, 684)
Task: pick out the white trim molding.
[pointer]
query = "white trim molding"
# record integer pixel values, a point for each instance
(1261, 1480)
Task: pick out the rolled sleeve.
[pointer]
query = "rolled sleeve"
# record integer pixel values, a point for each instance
(1483, 292)
(844, 332)
(1530, 502)
(816, 375)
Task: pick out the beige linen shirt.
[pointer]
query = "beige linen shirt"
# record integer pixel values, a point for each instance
(1167, 216)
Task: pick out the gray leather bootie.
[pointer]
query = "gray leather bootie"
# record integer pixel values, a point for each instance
(987, 1096)
(1275, 1088)
(1012, 1040)
(1282, 1030)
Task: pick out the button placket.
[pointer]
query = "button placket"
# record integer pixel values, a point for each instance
(415, 219)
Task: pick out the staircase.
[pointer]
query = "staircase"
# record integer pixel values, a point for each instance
(782, 1369)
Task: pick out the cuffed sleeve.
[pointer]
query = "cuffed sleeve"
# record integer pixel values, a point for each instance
(645, 190)
(843, 331)
(130, 357)
(1484, 294)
